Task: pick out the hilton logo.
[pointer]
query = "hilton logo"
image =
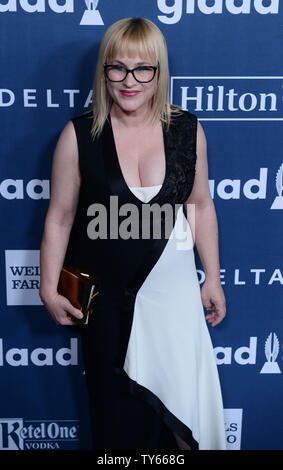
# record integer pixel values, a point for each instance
(253, 98)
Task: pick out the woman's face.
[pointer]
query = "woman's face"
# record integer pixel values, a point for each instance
(139, 94)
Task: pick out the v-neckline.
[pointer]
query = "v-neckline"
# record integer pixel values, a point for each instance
(119, 169)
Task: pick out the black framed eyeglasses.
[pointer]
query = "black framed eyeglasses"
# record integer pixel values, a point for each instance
(118, 73)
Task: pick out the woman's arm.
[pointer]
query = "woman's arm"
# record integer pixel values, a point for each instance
(202, 217)
(65, 185)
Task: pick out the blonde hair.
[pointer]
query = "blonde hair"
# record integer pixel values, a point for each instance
(133, 36)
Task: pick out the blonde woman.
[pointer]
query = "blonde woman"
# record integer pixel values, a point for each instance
(150, 368)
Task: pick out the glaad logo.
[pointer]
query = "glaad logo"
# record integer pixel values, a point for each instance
(35, 189)
(38, 6)
(91, 16)
(278, 201)
(17, 357)
(231, 189)
(271, 353)
(251, 189)
(248, 354)
(19, 434)
(262, 7)
(254, 188)
(243, 355)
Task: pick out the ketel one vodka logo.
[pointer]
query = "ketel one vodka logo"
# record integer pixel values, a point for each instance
(278, 201)
(91, 16)
(19, 434)
(271, 352)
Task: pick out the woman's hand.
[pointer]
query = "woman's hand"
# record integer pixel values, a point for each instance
(213, 298)
(61, 310)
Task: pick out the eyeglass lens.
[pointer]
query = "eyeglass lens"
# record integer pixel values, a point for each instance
(141, 74)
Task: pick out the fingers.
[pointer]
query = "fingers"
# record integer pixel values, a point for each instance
(63, 318)
(217, 315)
(213, 299)
(207, 303)
(68, 313)
(68, 317)
(75, 312)
(68, 320)
(63, 312)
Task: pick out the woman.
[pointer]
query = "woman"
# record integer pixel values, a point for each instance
(150, 367)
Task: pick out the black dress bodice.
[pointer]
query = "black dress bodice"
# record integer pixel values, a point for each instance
(101, 177)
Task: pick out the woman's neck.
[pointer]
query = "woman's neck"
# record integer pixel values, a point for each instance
(130, 119)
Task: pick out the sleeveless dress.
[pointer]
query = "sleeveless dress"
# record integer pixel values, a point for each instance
(148, 356)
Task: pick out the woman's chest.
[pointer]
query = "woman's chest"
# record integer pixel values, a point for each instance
(141, 157)
(110, 165)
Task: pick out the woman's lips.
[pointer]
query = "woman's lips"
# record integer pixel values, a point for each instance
(129, 93)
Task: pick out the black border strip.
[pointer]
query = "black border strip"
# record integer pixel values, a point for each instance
(168, 418)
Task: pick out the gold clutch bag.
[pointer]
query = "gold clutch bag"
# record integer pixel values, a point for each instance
(80, 289)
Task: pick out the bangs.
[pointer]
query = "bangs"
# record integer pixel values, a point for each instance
(132, 43)
(133, 38)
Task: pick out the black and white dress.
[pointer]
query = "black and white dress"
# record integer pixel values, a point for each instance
(149, 360)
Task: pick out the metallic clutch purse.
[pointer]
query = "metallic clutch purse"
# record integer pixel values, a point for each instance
(80, 289)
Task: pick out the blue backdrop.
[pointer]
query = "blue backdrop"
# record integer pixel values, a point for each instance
(225, 62)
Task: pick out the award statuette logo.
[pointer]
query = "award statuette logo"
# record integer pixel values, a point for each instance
(278, 201)
(91, 16)
(271, 353)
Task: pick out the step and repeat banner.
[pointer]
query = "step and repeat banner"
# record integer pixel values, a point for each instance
(226, 67)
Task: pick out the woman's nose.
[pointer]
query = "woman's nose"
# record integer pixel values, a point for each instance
(130, 80)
